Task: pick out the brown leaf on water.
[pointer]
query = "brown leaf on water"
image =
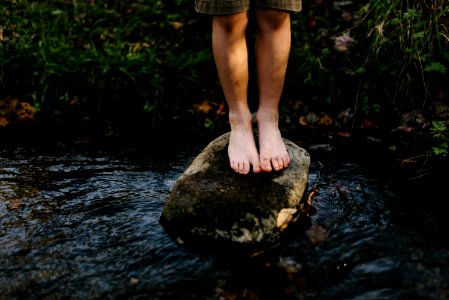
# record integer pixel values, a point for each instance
(15, 204)
(317, 234)
(133, 280)
(284, 217)
(203, 107)
(311, 194)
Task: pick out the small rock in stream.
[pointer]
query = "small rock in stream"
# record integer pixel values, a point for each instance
(211, 205)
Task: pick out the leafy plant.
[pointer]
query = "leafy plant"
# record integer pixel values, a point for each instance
(440, 133)
(118, 59)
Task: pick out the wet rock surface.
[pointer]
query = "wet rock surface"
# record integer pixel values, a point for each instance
(211, 205)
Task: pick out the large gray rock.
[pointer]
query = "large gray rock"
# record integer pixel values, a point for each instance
(211, 205)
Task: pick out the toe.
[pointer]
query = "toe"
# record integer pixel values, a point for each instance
(234, 166)
(240, 168)
(275, 164)
(265, 165)
(283, 162)
(256, 168)
(286, 161)
(245, 168)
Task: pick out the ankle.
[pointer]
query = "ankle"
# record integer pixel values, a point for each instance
(267, 117)
(240, 118)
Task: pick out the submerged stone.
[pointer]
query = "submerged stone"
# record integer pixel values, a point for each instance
(211, 205)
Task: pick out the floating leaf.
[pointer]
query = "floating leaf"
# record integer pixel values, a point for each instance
(284, 217)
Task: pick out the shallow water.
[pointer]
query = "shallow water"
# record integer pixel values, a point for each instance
(86, 226)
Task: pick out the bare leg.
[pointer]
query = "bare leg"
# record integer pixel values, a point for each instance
(272, 52)
(231, 58)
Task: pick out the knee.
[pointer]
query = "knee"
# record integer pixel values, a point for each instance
(272, 19)
(231, 24)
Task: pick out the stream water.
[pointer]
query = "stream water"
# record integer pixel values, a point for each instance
(80, 225)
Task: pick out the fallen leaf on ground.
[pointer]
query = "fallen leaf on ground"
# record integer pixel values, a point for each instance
(177, 25)
(3, 122)
(325, 119)
(220, 110)
(203, 107)
(344, 134)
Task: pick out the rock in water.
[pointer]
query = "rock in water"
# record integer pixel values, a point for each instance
(211, 205)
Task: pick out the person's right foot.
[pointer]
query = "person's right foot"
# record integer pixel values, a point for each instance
(242, 150)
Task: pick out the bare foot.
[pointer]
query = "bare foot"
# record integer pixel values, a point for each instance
(242, 149)
(273, 153)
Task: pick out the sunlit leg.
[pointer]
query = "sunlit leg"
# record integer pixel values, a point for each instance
(272, 53)
(231, 58)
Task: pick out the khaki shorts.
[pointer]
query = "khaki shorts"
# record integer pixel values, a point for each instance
(219, 7)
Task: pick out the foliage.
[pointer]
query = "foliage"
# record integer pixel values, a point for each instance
(378, 59)
(103, 56)
(150, 61)
(410, 44)
(440, 133)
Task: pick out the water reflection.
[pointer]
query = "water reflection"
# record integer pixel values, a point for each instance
(85, 226)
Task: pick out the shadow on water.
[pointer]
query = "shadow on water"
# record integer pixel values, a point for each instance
(85, 226)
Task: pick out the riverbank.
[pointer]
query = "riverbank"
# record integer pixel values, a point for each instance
(396, 153)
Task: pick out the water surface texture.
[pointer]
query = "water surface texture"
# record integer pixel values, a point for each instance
(86, 226)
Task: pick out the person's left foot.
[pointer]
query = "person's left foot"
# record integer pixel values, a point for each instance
(272, 150)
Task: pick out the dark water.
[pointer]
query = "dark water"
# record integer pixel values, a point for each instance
(86, 226)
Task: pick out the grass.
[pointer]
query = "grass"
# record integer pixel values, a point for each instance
(149, 64)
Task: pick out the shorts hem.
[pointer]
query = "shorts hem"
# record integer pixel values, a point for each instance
(292, 8)
(209, 11)
(217, 7)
